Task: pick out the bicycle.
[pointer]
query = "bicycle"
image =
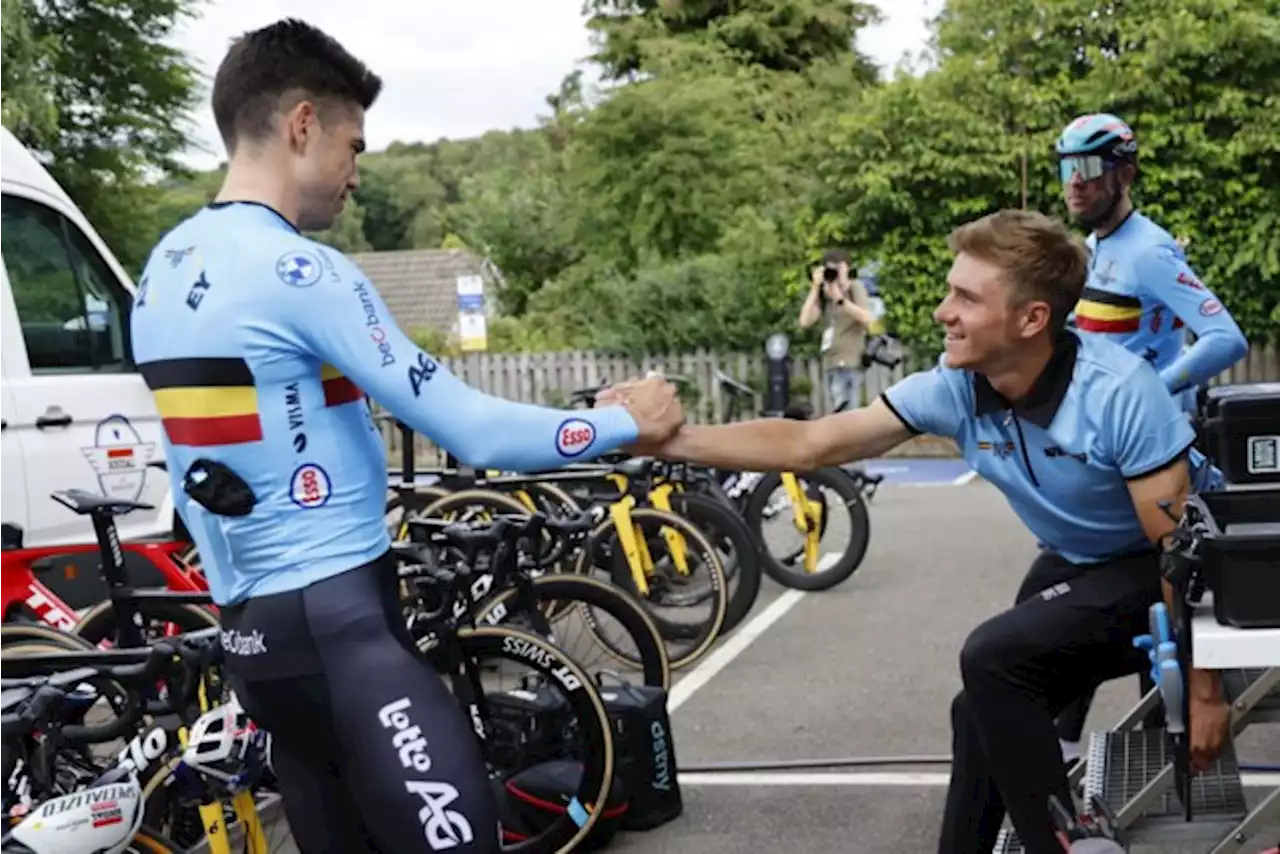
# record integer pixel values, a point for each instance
(53, 772)
(463, 652)
(507, 586)
(752, 493)
(183, 603)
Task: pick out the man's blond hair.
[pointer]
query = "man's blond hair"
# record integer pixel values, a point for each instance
(1041, 258)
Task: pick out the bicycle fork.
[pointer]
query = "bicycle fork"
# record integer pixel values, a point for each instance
(807, 515)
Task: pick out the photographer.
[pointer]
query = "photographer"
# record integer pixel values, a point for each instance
(847, 308)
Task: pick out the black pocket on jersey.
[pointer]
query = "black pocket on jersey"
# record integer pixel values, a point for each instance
(218, 489)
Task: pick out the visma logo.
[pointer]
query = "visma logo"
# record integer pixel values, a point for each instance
(444, 828)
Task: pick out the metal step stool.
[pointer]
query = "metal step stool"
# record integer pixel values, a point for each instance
(1131, 771)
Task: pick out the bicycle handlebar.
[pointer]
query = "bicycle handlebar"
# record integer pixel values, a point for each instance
(177, 661)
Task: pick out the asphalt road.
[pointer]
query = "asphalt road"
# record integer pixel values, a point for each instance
(866, 669)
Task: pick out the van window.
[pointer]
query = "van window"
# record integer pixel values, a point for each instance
(73, 312)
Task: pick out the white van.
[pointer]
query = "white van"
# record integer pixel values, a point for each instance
(76, 413)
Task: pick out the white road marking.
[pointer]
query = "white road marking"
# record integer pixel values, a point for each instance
(964, 478)
(1267, 780)
(814, 778)
(733, 646)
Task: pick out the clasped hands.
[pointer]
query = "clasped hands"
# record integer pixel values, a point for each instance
(653, 403)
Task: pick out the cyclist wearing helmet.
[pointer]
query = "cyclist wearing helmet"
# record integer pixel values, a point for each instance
(1141, 292)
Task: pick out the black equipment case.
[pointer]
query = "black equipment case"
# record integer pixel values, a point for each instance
(1240, 431)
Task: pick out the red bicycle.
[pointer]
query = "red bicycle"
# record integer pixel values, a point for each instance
(121, 618)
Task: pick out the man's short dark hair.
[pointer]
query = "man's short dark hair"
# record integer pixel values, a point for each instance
(270, 70)
(835, 256)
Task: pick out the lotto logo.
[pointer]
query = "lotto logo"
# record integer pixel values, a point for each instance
(310, 486)
(574, 436)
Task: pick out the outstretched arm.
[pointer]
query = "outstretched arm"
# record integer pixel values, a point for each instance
(925, 402)
(344, 321)
(786, 444)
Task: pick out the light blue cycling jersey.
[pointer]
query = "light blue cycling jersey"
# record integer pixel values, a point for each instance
(1141, 293)
(260, 346)
(1097, 417)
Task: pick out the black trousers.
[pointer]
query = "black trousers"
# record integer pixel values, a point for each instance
(1071, 630)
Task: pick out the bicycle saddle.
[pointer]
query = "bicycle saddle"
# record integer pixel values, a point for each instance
(635, 467)
(83, 502)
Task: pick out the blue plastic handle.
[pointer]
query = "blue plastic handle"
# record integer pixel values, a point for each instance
(1159, 620)
(1171, 689)
(1166, 674)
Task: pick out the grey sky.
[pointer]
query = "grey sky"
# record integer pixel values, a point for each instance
(456, 68)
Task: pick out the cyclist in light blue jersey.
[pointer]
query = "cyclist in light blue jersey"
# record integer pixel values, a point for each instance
(260, 346)
(1141, 293)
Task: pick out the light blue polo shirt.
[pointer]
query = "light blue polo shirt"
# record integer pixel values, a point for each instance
(1097, 417)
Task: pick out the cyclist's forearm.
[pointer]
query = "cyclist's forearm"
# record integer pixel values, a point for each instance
(762, 444)
(488, 432)
(1214, 352)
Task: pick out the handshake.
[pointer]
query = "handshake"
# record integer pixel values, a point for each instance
(653, 404)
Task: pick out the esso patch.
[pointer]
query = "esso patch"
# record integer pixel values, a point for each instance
(1210, 307)
(310, 486)
(574, 436)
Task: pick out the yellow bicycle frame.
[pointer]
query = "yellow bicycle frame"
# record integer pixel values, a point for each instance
(213, 814)
(807, 517)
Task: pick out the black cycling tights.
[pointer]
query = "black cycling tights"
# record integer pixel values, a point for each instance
(1072, 629)
(370, 747)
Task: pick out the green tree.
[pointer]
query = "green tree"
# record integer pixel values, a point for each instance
(122, 97)
(780, 35)
(28, 109)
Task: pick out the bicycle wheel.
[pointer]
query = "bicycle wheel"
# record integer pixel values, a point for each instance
(859, 524)
(99, 622)
(592, 725)
(648, 655)
(739, 551)
(422, 497)
(468, 505)
(147, 842)
(18, 639)
(687, 640)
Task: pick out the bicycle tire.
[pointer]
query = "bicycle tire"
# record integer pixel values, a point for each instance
(850, 496)
(584, 591)
(744, 578)
(153, 843)
(620, 573)
(36, 639)
(427, 494)
(565, 833)
(99, 622)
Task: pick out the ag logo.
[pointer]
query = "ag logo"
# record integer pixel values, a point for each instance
(310, 486)
(421, 373)
(574, 436)
(300, 269)
(119, 457)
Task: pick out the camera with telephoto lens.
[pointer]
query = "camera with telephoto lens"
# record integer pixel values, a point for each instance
(830, 274)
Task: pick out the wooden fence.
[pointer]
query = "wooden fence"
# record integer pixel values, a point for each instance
(549, 378)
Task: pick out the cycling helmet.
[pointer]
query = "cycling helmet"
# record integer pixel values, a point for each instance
(1098, 133)
(224, 743)
(1093, 144)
